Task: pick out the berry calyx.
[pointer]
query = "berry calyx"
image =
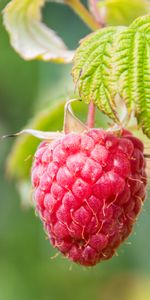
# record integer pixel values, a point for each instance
(89, 189)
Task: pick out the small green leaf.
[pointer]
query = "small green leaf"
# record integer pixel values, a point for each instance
(71, 122)
(29, 36)
(93, 68)
(119, 12)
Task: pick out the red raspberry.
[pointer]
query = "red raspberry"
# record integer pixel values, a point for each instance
(89, 189)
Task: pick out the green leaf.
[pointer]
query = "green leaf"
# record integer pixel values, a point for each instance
(132, 69)
(119, 12)
(113, 62)
(29, 36)
(92, 69)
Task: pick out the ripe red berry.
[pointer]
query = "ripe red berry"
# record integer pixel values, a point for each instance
(89, 189)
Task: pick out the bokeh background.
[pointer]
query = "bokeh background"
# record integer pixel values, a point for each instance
(28, 270)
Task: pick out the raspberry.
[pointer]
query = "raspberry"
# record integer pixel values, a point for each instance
(89, 190)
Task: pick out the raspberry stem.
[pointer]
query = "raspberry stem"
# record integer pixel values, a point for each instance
(91, 115)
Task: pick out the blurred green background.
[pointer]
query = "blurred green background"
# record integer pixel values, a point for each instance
(27, 271)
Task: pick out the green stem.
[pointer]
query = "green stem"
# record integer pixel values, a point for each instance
(83, 13)
(91, 115)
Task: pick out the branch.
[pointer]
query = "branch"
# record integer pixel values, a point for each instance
(84, 14)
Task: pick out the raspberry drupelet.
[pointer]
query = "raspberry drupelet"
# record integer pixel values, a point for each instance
(89, 189)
